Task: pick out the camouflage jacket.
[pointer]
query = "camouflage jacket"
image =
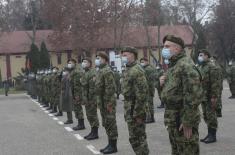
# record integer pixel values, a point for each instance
(105, 86)
(56, 85)
(231, 74)
(211, 80)
(135, 91)
(88, 85)
(182, 92)
(74, 79)
(150, 73)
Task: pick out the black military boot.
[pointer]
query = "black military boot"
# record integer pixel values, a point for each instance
(70, 118)
(112, 147)
(80, 126)
(232, 97)
(60, 113)
(212, 137)
(219, 113)
(161, 106)
(202, 140)
(101, 150)
(93, 134)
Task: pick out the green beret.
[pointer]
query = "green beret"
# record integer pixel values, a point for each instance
(130, 50)
(88, 59)
(206, 52)
(144, 58)
(174, 39)
(103, 55)
(73, 60)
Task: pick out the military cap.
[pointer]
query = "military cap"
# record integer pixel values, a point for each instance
(73, 60)
(130, 50)
(55, 68)
(206, 52)
(174, 39)
(144, 58)
(88, 59)
(103, 55)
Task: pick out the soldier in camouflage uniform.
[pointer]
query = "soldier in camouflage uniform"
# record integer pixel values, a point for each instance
(117, 77)
(181, 93)
(219, 73)
(211, 91)
(160, 73)
(135, 91)
(150, 73)
(75, 84)
(231, 78)
(89, 98)
(105, 90)
(55, 89)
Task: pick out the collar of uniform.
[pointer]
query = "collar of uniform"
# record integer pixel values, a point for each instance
(146, 66)
(175, 58)
(131, 64)
(102, 65)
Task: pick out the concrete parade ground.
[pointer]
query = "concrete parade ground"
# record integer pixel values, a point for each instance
(28, 129)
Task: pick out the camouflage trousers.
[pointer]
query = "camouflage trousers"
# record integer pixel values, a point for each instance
(57, 103)
(78, 111)
(149, 107)
(210, 116)
(182, 146)
(91, 113)
(138, 138)
(219, 103)
(109, 122)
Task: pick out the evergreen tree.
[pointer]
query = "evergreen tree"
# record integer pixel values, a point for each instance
(33, 59)
(44, 56)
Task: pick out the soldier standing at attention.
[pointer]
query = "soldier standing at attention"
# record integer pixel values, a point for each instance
(181, 93)
(231, 78)
(211, 91)
(89, 98)
(117, 77)
(135, 92)
(150, 73)
(106, 100)
(76, 87)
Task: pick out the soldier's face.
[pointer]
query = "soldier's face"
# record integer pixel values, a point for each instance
(130, 56)
(174, 48)
(204, 56)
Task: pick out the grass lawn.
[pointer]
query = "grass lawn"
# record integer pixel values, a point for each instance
(11, 91)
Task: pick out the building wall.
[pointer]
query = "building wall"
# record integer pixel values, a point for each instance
(3, 66)
(17, 63)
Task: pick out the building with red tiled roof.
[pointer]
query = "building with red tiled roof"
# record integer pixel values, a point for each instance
(15, 45)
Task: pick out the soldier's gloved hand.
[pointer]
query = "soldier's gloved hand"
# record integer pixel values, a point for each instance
(110, 108)
(187, 131)
(162, 80)
(213, 103)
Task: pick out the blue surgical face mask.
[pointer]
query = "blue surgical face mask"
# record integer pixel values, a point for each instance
(97, 62)
(142, 64)
(84, 64)
(166, 53)
(124, 60)
(200, 59)
(166, 61)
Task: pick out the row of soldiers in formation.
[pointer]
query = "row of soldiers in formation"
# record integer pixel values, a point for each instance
(182, 88)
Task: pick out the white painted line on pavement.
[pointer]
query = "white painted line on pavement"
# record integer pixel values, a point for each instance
(60, 123)
(78, 137)
(68, 129)
(55, 118)
(92, 149)
(51, 115)
(46, 112)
